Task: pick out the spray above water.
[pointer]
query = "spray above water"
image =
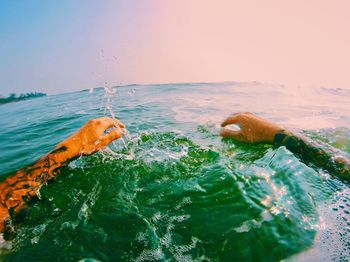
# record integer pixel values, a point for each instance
(109, 96)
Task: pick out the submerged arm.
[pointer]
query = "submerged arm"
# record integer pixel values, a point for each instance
(254, 129)
(17, 191)
(311, 151)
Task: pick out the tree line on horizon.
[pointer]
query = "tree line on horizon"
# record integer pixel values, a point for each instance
(14, 98)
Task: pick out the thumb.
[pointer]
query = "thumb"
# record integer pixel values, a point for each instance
(233, 119)
(225, 132)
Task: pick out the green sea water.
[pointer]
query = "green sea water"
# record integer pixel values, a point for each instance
(176, 191)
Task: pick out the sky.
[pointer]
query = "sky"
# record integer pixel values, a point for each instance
(64, 46)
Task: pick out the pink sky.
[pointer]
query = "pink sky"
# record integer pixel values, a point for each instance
(288, 42)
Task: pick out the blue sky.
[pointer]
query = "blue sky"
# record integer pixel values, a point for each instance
(62, 46)
(59, 46)
(38, 38)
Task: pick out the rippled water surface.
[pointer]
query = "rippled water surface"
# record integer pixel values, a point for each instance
(177, 191)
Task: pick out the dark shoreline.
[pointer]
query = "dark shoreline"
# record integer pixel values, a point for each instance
(14, 98)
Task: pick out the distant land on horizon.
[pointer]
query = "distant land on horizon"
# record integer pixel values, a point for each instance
(14, 98)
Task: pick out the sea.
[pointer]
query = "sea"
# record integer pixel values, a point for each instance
(173, 189)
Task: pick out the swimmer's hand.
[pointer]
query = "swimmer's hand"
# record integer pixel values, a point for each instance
(18, 191)
(253, 129)
(93, 136)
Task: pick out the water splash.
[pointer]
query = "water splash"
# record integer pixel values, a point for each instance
(215, 187)
(110, 93)
(128, 142)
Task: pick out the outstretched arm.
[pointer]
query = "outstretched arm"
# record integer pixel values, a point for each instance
(254, 129)
(17, 191)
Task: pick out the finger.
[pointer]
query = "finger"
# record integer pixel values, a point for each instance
(108, 122)
(119, 123)
(225, 132)
(110, 137)
(233, 119)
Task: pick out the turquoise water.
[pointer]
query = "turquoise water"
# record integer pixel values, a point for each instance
(177, 191)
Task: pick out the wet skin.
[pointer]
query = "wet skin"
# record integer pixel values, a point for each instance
(254, 129)
(17, 192)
